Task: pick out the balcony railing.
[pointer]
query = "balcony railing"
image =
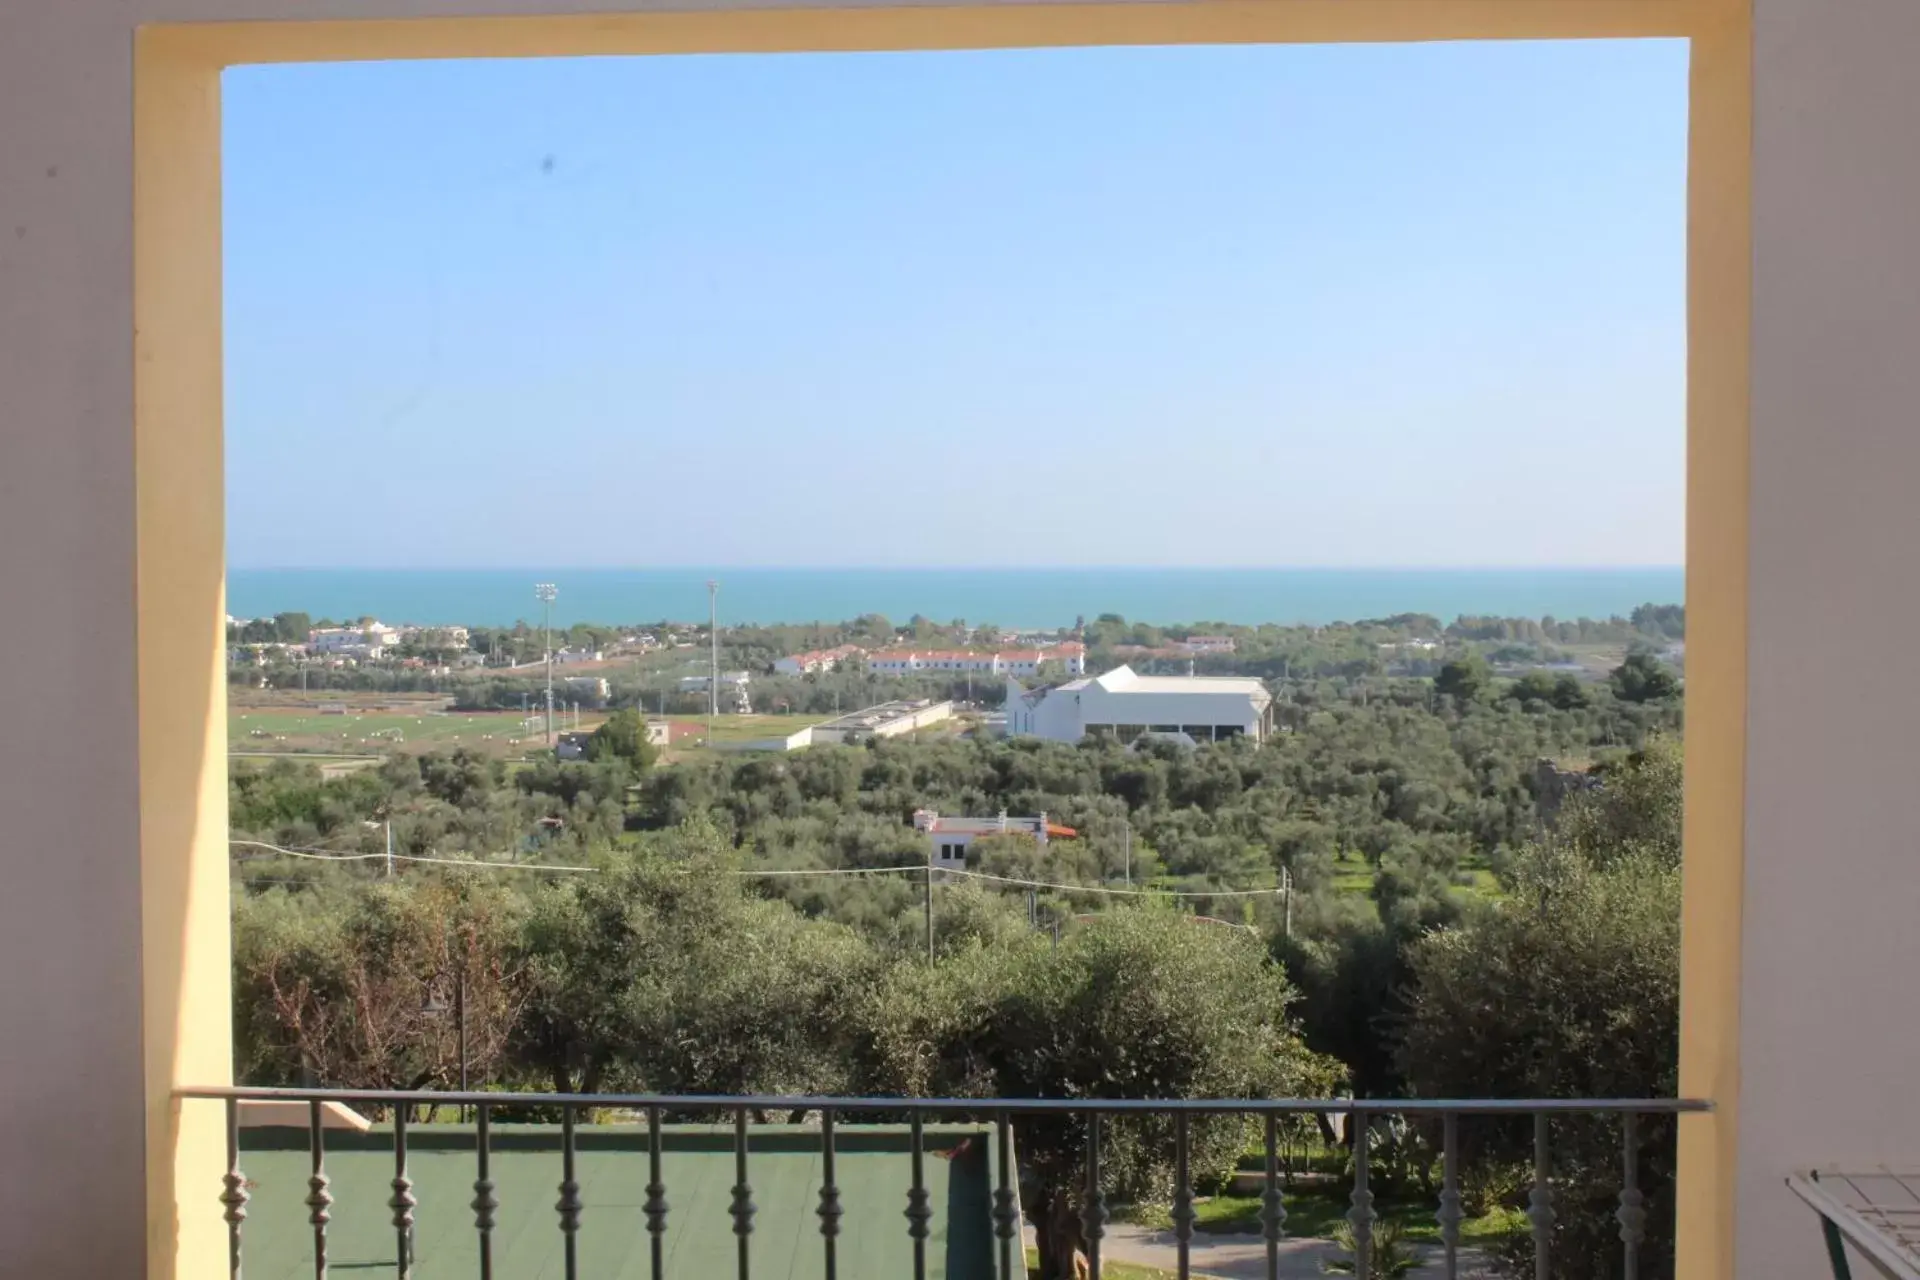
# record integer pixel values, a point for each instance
(997, 1117)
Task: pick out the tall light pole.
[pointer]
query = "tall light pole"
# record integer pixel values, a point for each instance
(545, 593)
(713, 658)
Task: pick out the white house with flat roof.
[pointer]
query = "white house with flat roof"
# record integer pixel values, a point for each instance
(1126, 704)
(948, 838)
(369, 641)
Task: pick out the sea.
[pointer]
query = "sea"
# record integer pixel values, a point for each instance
(1035, 598)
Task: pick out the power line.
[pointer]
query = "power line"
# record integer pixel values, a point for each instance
(330, 855)
(835, 871)
(1030, 884)
(1125, 893)
(334, 855)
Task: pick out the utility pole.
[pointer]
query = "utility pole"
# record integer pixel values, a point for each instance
(929, 902)
(389, 848)
(1286, 905)
(1126, 828)
(713, 655)
(545, 593)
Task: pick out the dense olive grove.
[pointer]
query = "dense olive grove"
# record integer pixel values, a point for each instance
(1456, 920)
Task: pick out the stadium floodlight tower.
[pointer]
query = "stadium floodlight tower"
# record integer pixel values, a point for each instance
(713, 655)
(546, 593)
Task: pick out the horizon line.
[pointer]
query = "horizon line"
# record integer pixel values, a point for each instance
(961, 568)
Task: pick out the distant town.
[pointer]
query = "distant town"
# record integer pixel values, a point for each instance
(782, 688)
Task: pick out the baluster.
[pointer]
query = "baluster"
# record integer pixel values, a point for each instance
(1006, 1219)
(918, 1214)
(402, 1202)
(1451, 1214)
(568, 1206)
(318, 1197)
(1182, 1196)
(743, 1208)
(235, 1195)
(484, 1204)
(656, 1205)
(829, 1209)
(1093, 1217)
(1360, 1216)
(1632, 1214)
(1273, 1209)
(1540, 1202)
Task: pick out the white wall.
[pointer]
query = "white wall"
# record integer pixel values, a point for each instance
(1830, 1048)
(1121, 706)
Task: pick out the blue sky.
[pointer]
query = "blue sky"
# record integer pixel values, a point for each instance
(1390, 305)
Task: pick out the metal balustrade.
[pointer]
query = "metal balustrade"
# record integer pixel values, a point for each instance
(918, 1213)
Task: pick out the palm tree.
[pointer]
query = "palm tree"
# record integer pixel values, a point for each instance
(1389, 1256)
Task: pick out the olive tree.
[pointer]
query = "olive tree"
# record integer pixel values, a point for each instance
(1136, 1003)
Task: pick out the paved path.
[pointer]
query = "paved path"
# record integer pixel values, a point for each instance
(1244, 1257)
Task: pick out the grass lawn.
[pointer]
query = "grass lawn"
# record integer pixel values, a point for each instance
(736, 728)
(1484, 883)
(689, 732)
(379, 732)
(1353, 875)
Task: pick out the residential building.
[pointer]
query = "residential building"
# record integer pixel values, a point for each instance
(1208, 644)
(948, 839)
(572, 745)
(802, 664)
(1126, 704)
(574, 657)
(370, 641)
(1068, 657)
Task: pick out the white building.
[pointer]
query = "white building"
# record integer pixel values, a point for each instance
(888, 720)
(573, 657)
(1069, 657)
(1208, 644)
(802, 664)
(1127, 704)
(370, 641)
(949, 838)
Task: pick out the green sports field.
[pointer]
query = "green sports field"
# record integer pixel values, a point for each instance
(251, 729)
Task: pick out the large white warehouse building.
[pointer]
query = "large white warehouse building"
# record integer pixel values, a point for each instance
(1127, 704)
